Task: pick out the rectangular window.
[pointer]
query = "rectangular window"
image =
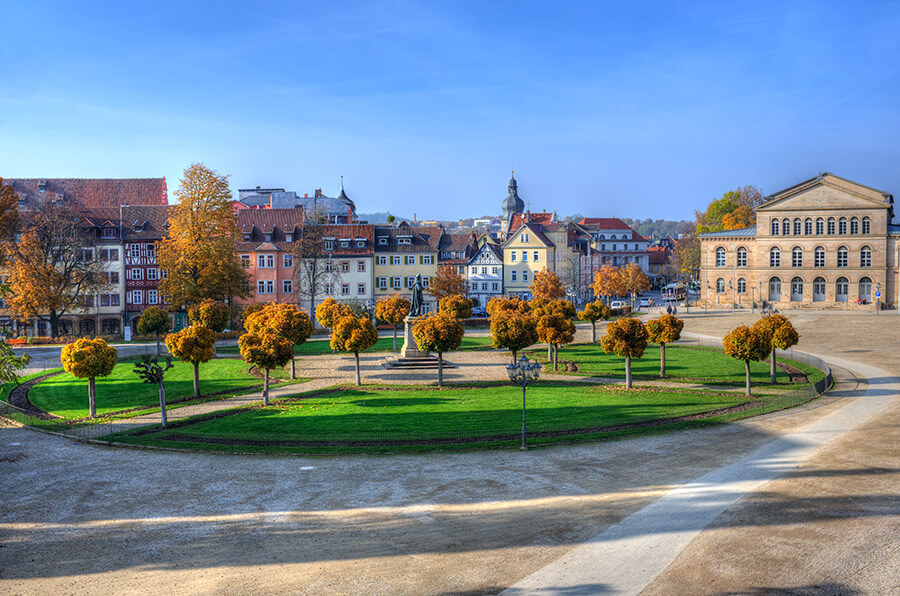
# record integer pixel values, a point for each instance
(104, 299)
(535, 257)
(512, 275)
(360, 266)
(287, 286)
(395, 282)
(360, 244)
(382, 260)
(329, 245)
(410, 259)
(289, 237)
(113, 277)
(87, 254)
(495, 270)
(152, 297)
(329, 266)
(395, 260)
(109, 232)
(151, 251)
(484, 286)
(114, 300)
(382, 283)
(152, 275)
(329, 288)
(270, 286)
(137, 297)
(474, 270)
(524, 256)
(474, 286)
(426, 282)
(245, 261)
(137, 274)
(361, 288)
(345, 244)
(345, 289)
(89, 301)
(287, 260)
(512, 256)
(524, 237)
(410, 281)
(495, 286)
(427, 259)
(265, 261)
(345, 266)
(135, 251)
(260, 287)
(525, 275)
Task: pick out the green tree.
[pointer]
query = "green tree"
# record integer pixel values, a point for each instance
(154, 321)
(662, 331)
(353, 334)
(266, 350)
(88, 359)
(749, 345)
(284, 320)
(780, 334)
(438, 332)
(150, 371)
(198, 252)
(627, 338)
(10, 363)
(194, 344)
(593, 312)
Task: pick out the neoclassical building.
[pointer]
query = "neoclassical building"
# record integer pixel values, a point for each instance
(825, 243)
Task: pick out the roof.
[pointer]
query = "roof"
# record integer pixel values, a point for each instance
(893, 230)
(457, 241)
(659, 255)
(266, 220)
(145, 222)
(424, 239)
(541, 217)
(88, 193)
(534, 229)
(739, 233)
(278, 198)
(888, 197)
(493, 248)
(605, 223)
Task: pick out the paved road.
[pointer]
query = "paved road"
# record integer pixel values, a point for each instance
(86, 519)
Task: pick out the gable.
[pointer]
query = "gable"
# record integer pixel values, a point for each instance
(824, 193)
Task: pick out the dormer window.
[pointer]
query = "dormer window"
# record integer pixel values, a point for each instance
(329, 245)
(246, 237)
(109, 233)
(360, 244)
(345, 244)
(267, 237)
(289, 237)
(404, 239)
(382, 240)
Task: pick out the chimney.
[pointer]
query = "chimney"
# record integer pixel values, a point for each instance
(306, 195)
(271, 206)
(318, 192)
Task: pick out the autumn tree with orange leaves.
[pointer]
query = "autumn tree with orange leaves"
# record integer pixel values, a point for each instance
(554, 325)
(513, 330)
(747, 344)
(627, 338)
(447, 282)
(662, 331)
(393, 310)
(439, 332)
(353, 334)
(634, 280)
(456, 306)
(508, 304)
(546, 284)
(284, 320)
(608, 283)
(330, 311)
(593, 312)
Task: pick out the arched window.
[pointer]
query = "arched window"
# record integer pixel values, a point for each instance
(775, 227)
(720, 257)
(841, 289)
(797, 257)
(786, 227)
(831, 226)
(774, 257)
(797, 289)
(842, 256)
(807, 227)
(865, 289)
(865, 257)
(866, 225)
(820, 226)
(741, 256)
(842, 226)
(854, 225)
(720, 285)
(742, 286)
(819, 289)
(798, 227)
(774, 289)
(819, 259)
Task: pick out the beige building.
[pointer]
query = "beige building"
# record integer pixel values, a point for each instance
(826, 243)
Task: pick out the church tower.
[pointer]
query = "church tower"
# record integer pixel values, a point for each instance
(512, 204)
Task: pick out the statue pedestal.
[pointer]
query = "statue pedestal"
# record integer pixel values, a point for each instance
(410, 349)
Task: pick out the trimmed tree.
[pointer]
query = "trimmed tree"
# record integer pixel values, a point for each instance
(744, 343)
(513, 330)
(154, 321)
(779, 333)
(627, 338)
(211, 314)
(508, 304)
(593, 312)
(195, 344)
(608, 282)
(329, 311)
(554, 325)
(438, 332)
(353, 334)
(284, 320)
(392, 310)
(662, 331)
(546, 284)
(151, 372)
(249, 310)
(88, 359)
(457, 306)
(266, 350)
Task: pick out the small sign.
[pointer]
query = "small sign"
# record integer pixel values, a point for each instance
(878, 294)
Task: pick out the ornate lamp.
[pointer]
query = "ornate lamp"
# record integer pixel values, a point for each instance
(524, 371)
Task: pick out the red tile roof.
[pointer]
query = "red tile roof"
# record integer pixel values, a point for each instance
(266, 219)
(88, 193)
(605, 223)
(541, 217)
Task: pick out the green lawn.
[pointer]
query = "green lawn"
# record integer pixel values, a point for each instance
(66, 396)
(685, 363)
(454, 412)
(318, 347)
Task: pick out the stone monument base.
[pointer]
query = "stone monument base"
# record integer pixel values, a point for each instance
(410, 349)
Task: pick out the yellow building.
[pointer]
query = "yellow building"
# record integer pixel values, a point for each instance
(526, 251)
(401, 253)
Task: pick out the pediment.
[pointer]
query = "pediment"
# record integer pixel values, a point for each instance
(826, 192)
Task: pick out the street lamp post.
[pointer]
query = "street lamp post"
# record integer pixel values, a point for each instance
(760, 297)
(524, 371)
(731, 285)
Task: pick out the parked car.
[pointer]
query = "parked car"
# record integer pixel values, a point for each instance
(479, 312)
(618, 304)
(646, 301)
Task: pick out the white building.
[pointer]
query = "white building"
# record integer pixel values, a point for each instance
(486, 274)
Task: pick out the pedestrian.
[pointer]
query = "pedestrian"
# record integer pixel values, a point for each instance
(669, 309)
(674, 310)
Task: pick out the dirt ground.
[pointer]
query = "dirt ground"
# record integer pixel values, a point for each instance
(82, 519)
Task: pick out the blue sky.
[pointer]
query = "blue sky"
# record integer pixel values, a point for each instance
(628, 109)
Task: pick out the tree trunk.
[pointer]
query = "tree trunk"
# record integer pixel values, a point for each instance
(627, 372)
(549, 353)
(196, 380)
(358, 379)
(555, 358)
(162, 404)
(440, 370)
(747, 369)
(772, 378)
(266, 389)
(54, 324)
(92, 398)
(514, 356)
(293, 367)
(662, 360)
(395, 338)
(593, 332)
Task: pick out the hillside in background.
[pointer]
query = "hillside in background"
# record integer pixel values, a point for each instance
(659, 227)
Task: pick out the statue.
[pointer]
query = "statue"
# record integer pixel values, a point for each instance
(416, 306)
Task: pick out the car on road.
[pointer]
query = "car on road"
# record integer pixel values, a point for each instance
(646, 302)
(479, 312)
(618, 304)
